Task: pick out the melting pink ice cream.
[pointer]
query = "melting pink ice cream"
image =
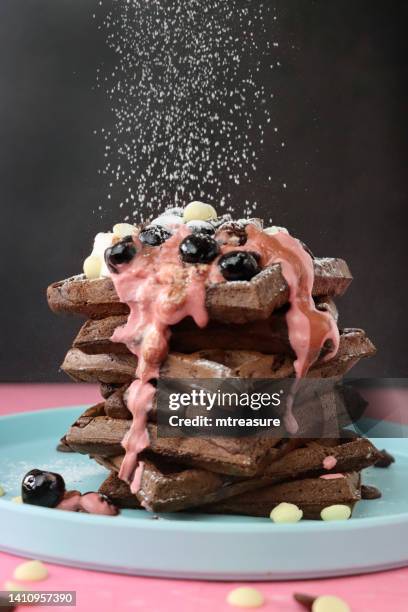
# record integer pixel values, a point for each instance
(331, 476)
(91, 503)
(329, 462)
(161, 290)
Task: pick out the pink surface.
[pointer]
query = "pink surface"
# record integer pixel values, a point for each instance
(106, 592)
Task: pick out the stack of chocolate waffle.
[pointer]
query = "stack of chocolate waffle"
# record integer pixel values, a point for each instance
(247, 334)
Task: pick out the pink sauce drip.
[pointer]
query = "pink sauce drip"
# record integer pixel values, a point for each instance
(308, 328)
(91, 503)
(331, 476)
(161, 291)
(137, 438)
(329, 462)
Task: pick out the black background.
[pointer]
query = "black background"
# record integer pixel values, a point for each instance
(341, 107)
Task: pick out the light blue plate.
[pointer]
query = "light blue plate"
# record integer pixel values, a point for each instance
(190, 545)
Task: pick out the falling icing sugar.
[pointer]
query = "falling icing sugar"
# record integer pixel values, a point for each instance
(190, 107)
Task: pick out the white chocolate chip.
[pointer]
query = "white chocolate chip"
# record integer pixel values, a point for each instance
(199, 211)
(13, 586)
(121, 230)
(2, 491)
(330, 603)
(245, 597)
(92, 266)
(337, 512)
(17, 500)
(275, 229)
(102, 242)
(33, 571)
(286, 513)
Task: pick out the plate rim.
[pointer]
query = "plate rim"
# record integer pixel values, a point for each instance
(259, 524)
(224, 539)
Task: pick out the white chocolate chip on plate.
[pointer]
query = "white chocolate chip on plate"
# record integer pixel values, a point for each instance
(337, 512)
(92, 266)
(245, 597)
(9, 585)
(329, 603)
(32, 571)
(17, 500)
(199, 211)
(286, 513)
(2, 491)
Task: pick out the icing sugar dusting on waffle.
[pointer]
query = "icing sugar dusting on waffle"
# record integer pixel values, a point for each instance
(189, 104)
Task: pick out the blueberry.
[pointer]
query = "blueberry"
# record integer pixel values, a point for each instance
(119, 253)
(239, 265)
(198, 249)
(154, 235)
(42, 488)
(255, 255)
(201, 227)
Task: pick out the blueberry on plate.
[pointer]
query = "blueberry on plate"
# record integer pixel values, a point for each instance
(121, 252)
(198, 249)
(201, 227)
(239, 265)
(41, 488)
(154, 235)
